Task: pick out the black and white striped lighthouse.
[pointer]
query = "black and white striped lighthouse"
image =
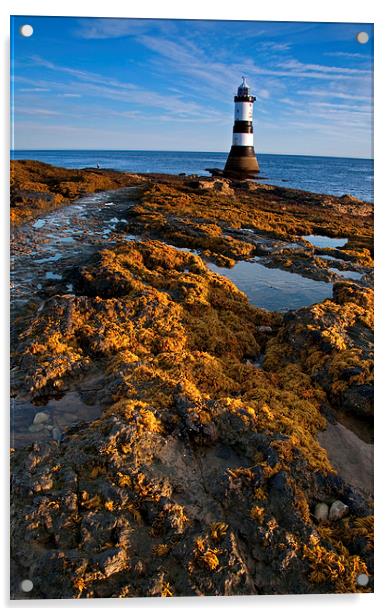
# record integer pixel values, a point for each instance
(242, 159)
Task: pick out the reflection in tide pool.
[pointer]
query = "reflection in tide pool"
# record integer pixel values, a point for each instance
(330, 258)
(58, 416)
(38, 224)
(53, 276)
(323, 241)
(274, 289)
(346, 273)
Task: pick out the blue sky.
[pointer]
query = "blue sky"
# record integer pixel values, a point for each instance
(134, 84)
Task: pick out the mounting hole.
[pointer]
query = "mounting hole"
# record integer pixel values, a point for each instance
(26, 585)
(362, 579)
(26, 30)
(362, 37)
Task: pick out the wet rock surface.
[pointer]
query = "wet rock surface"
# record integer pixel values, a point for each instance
(350, 456)
(45, 251)
(37, 187)
(181, 448)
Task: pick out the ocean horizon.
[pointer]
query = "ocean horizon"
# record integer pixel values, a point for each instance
(321, 174)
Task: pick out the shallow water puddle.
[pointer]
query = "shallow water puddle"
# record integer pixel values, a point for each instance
(58, 415)
(274, 289)
(193, 251)
(69, 234)
(38, 224)
(346, 273)
(131, 238)
(323, 241)
(65, 240)
(55, 257)
(330, 258)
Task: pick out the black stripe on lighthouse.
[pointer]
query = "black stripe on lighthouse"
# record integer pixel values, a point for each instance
(242, 150)
(242, 126)
(244, 99)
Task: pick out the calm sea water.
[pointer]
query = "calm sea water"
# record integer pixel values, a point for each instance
(335, 176)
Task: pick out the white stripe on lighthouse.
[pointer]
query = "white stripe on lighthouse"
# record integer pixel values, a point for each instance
(242, 138)
(243, 111)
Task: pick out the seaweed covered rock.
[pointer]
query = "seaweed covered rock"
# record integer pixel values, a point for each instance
(333, 343)
(173, 208)
(203, 473)
(219, 185)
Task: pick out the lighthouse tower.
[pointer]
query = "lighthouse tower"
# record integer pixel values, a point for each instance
(242, 160)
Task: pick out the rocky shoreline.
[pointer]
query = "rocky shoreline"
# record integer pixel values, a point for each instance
(38, 187)
(198, 469)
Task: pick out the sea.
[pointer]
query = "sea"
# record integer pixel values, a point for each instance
(320, 174)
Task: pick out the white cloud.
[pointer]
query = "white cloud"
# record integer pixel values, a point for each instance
(334, 94)
(37, 111)
(262, 93)
(345, 54)
(34, 90)
(108, 28)
(272, 46)
(98, 85)
(339, 106)
(297, 66)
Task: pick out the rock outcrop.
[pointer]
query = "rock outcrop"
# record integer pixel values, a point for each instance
(203, 473)
(37, 187)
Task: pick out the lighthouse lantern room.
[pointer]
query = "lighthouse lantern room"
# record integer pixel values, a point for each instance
(242, 159)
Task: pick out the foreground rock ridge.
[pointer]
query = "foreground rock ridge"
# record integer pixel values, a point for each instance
(204, 474)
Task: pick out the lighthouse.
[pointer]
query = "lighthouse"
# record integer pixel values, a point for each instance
(242, 159)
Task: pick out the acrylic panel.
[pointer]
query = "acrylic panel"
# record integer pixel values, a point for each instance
(191, 308)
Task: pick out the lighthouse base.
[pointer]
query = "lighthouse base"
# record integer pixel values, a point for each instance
(241, 162)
